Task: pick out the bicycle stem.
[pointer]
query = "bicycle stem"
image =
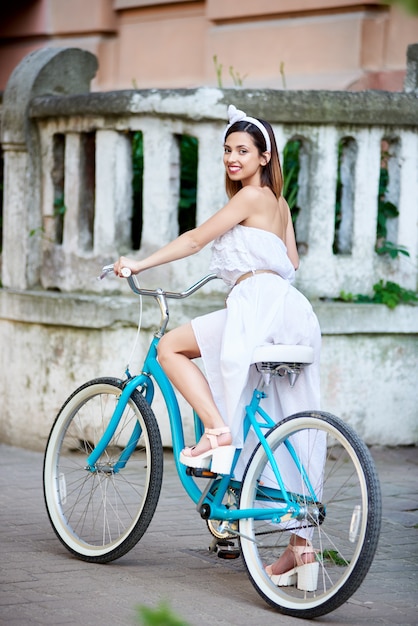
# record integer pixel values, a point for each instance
(161, 297)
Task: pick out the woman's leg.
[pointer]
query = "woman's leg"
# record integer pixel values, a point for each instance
(175, 351)
(287, 559)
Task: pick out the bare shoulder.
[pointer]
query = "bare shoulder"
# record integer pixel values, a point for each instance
(250, 191)
(251, 194)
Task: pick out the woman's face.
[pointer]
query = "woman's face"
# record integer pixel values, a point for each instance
(242, 159)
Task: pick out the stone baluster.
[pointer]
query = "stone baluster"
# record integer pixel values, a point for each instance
(48, 71)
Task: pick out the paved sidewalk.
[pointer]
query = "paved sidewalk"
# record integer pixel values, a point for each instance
(40, 583)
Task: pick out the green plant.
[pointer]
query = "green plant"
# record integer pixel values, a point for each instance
(188, 183)
(161, 616)
(388, 293)
(386, 210)
(58, 214)
(291, 167)
(282, 74)
(334, 556)
(237, 79)
(393, 250)
(59, 207)
(137, 180)
(218, 70)
(36, 231)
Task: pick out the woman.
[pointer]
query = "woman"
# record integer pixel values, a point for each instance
(254, 252)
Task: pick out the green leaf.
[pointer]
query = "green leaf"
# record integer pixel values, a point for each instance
(160, 616)
(390, 294)
(393, 250)
(333, 556)
(346, 297)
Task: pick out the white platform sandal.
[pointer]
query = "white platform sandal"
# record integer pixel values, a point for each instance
(218, 458)
(303, 575)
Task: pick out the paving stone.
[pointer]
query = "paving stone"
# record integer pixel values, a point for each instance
(42, 584)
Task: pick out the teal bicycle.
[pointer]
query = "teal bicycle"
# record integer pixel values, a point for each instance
(103, 470)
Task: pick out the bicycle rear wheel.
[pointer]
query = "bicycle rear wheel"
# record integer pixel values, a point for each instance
(343, 524)
(100, 513)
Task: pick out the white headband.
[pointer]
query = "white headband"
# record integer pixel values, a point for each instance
(235, 115)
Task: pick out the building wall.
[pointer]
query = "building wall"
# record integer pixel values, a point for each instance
(59, 326)
(295, 44)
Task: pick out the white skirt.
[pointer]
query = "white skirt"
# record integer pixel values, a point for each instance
(260, 310)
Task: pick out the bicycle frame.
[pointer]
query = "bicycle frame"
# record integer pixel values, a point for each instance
(215, 491)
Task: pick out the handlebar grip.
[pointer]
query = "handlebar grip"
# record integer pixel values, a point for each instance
(108, 269)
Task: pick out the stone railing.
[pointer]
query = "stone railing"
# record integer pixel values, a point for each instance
(67, 148)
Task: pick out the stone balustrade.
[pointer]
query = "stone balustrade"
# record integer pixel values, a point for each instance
(68, 148)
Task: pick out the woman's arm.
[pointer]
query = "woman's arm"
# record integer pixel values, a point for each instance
(181, 247)
(192, 241)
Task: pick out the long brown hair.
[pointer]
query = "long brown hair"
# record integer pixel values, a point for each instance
(271, 174)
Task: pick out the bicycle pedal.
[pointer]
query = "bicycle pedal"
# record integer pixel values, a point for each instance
(200, 472)
(229, 553)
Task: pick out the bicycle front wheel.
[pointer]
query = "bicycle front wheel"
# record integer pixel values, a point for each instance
(342, 519)
(99, 513)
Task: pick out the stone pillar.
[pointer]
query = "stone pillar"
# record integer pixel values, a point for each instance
(113, 215)
(49, 71)
(411, 78)
(161, 184)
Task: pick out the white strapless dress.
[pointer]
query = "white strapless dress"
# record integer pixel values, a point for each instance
(263, 309)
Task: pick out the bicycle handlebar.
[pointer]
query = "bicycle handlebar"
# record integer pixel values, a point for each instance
(159, 294)
(133, 284)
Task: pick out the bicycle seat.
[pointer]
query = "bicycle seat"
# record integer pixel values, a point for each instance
(281, 353)
(281, 359)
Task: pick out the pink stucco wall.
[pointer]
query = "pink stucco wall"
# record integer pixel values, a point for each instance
(297, 44)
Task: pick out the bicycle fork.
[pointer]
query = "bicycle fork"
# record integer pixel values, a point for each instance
(142, 381)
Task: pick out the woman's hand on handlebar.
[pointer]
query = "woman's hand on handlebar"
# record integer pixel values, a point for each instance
(123, 267)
